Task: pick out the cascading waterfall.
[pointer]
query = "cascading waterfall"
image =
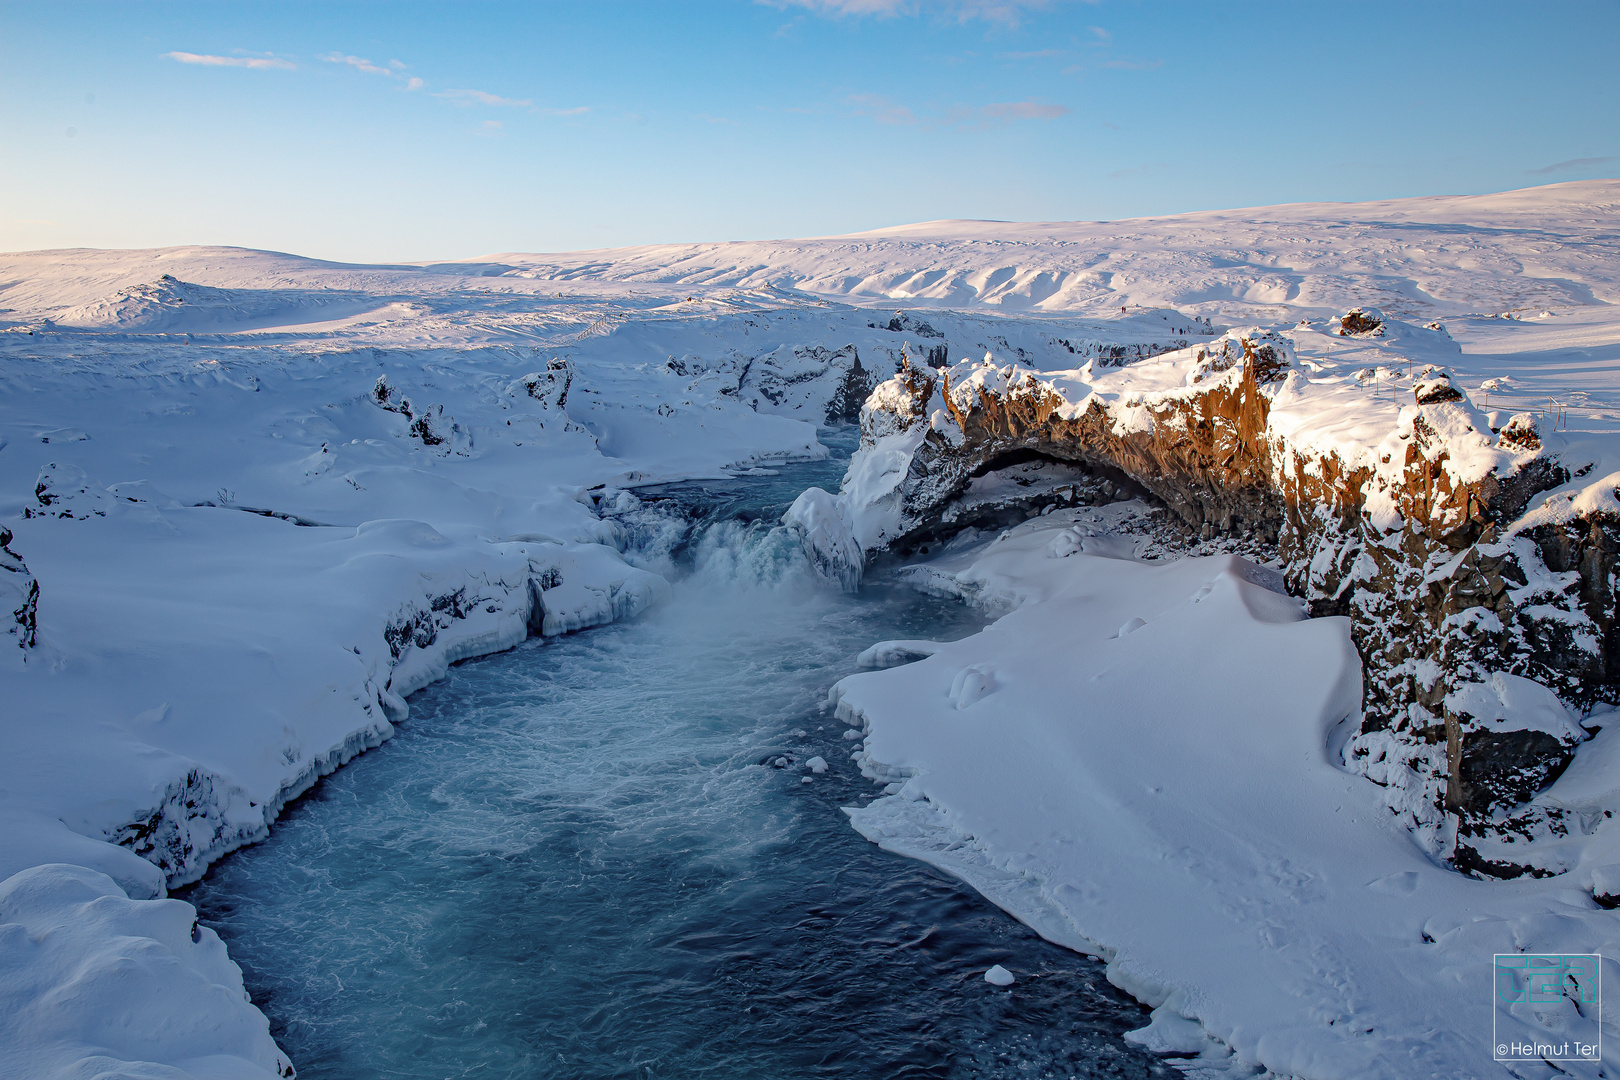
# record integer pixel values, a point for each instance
(615, 854)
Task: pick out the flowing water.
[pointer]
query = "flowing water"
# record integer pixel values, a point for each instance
(599, 856)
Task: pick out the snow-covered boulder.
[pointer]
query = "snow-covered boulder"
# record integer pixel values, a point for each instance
(822, 524)
(64, 491)
(1360, 320)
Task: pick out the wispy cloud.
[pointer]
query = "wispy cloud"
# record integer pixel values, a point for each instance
(359, 63)
(888, 111)
(577, 110)
(1100, 55)
(1023, 110)
(883, 110)
(259, 62)
(1006, 12)
(492, 127)
(394, 69)
(1036, 54)
(1566, 166)
(482, 97)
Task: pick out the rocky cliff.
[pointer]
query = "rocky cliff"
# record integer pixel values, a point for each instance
(1476, 569)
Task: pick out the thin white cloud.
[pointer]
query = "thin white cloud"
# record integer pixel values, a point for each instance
(577, 110)
(1024, 110)
(1008, 12)
(359, 63)
(480, 97)
(1036, 54)
(257, 62)
(394, 70)
(881, 109)
(888, 111)
(1130, 64)
(1102, 35)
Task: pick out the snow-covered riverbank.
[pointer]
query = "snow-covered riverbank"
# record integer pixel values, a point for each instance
(1142, 760)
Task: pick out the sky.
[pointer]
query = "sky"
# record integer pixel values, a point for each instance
(418, 131)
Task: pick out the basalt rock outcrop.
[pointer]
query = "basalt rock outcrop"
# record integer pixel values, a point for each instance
(19, 594)
(1485, 631)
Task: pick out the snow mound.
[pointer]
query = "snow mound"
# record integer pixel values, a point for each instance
(822, 525)
(93, 983)
(170, 306)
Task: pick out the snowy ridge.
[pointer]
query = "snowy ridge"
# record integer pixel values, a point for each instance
(1434, 256)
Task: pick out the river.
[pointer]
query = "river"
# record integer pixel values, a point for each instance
(604, 855)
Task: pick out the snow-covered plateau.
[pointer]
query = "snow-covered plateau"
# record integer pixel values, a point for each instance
(1301, 523)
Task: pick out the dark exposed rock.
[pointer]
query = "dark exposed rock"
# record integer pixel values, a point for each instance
(1467, 859)
(1361, 321)
(550, 387)
(845, 405)
(418, 628)
(19, 592)
(1500, 769)
(431, 426)
(1521, 432)
(903, 323)
(1434, 388)
(388, 396)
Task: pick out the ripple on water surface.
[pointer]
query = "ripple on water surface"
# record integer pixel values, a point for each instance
(577, 859)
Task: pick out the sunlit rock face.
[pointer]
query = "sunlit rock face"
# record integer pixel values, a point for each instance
(1486, 625)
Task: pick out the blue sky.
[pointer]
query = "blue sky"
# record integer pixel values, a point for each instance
(371, 131)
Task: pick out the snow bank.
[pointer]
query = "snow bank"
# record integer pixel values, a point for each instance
(93, 983)
(1172, 800)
